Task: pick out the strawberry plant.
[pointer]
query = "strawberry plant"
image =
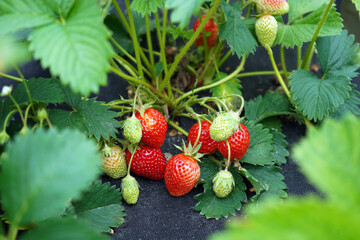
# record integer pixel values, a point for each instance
(57, 137)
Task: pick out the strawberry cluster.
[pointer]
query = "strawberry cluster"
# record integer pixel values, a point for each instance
(266, 26)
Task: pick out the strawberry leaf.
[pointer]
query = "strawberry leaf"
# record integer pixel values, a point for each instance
(101, 206)
(64, 227)
(182, 10)
(260, 151)
(211, 206)
(231, 87)
(13, 53)
(302, 29)
(43, 170)
(351, 105)
(280, 144)
(235, 31)
(309, 218)
(146, 6)
(90, 117)
(330, 158)
(270, 105)
(299, 8)
(271, 178)
(75, 47)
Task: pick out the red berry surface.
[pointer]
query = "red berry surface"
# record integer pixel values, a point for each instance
(239, 143)
(181, 174)
(154, 127)
(210, 26)
(207, 143)
(147, 162)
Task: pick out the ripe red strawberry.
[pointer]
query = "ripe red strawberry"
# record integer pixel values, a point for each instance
(181, 174)
(154, 127)
(239, 143)
(147, 162)
(210, 26)
(274, 7)
(266, 29)
(208, 145)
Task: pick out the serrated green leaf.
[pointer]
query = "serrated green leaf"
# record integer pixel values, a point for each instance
(23, 14)
(272, 104)
(316, 98)
(271, 177)
(183, 10)
(351, 105)
(43, 90)
(90, 117)
(235, 32)
(63, 228)
(71, 98)
(261, 145)
(231, 87)
(330, 158)
(272, 123)
(299, 8)
(43, 170)
(302, 30)
(76, 49)
(305, 219)
(101, 206)
(60, 7)
(146, 6)
(213, 207)
(280, 147)
(357, 5)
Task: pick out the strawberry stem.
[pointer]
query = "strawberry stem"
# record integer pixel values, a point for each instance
(132, 156)
(228, 162)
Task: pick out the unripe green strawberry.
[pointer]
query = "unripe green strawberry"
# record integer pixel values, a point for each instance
(266, 29)
(224, 125)
(132, 130)
(223, 184)
(114, 162)
(130, 189)
(274, 7)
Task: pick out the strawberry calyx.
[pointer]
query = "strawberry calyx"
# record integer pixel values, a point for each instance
(191, 150)
(107, 151)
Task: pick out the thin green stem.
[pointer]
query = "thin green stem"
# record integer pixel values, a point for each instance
(188, 45)
(13, 231)
(122, 49)
(178, 128)
(18, 108)
(132, 156)
(226, 56)
(153, 52)
(257, 73)
(10, 77)
(122, 17)
(26, 87)
(310, 50)
(134, 38)
(281, 80)
(221, 81)
(161, 43)
(206, 49)
(308, 62)
(149, 41)
(283, 63)
(228, 162)
(165, 16)
(128, 67)
(299, 56)
(7, 118)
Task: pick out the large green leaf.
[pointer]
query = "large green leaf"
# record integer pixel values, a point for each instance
(235, 32)
(23, 14)
(261, 145)
(43, 90)
(13, 52)
(75, 48)
(350, 105)
(43, 170)
(299, 8)
(305, 219)
(269, 105)
(302, 29)
(101, 206)
(213, 207)
(316, 98)
(90, 117)
(280, 144)
(183, 10)
(330, 158)
(63, 228)
(146, 6)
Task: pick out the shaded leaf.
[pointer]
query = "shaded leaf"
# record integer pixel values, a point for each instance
(299, 8)
(146, 6)
(280, 144)
(183, 10)
(119, 34)
(350, 105)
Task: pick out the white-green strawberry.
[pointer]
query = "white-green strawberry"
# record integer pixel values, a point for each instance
(130, 189)
(224, 126)
(273, 7)
(132, 130)
(266, 29)
(223, 184)
(114, 162)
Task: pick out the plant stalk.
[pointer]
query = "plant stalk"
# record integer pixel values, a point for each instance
(178, 128)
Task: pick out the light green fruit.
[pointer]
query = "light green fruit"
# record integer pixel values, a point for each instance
(223, 184)
(132, 130)
(224, 126)
(266, 29)
(114, 162)
(130, 189)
